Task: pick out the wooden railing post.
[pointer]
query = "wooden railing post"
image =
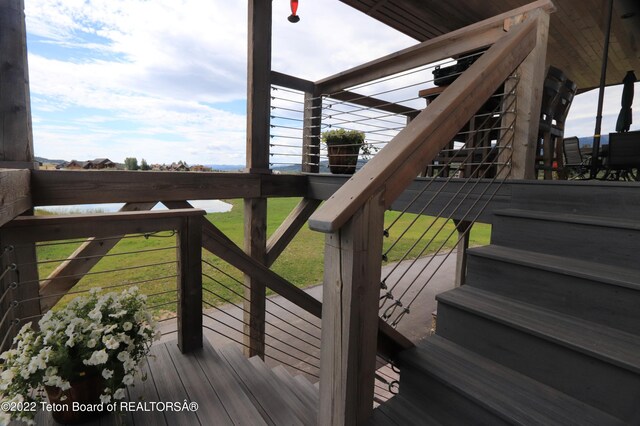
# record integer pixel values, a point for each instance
(190, 284)
(350, 317)
(528, 92)
(311, 132)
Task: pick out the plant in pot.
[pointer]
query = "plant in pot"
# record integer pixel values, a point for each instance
(85, 353)
(344, 147)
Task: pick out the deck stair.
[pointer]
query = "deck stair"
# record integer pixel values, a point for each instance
(546, 330)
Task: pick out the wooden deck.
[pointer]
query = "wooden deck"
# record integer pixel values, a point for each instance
(228, 389)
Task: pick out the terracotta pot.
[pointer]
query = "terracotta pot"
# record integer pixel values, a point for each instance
(343, 159)
(84, 391)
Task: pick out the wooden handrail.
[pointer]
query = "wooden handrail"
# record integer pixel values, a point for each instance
(467, 39)
(398, 163)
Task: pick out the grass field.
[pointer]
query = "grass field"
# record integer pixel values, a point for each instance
(301, 263)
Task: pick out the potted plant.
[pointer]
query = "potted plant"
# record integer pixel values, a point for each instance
(87, 353)
(344, 147)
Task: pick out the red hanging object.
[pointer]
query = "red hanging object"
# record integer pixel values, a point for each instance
(294, 8)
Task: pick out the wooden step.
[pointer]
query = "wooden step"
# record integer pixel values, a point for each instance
(595, 239)
(605, 294)
(264, 395)
(287, 390)
(593, 198)
(401, 411)
(231, 392)
(493, 393)
(305, 392)
(591, 362)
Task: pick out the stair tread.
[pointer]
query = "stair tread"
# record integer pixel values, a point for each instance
(400, 411)
(289, 391)
(609, 222)
(268, 400)
(611, 345)
(300, 389)
(610, 274)
(507, 393)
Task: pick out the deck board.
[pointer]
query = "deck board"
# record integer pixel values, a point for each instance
(228, 388)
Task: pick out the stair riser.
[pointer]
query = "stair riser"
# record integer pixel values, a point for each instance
(621, 200)
(614, 246)
(446, 404)
(613, 306)
(591, 380)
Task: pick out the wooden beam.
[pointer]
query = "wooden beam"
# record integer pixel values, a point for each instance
(189, 254)
(291, 82)
(59, 187)
(288, 229)
(15, 193)
(31, 229)
(397, 164)
(371, 102)
(457, 42)
(81, 261)
(16, 136)
(350, 298)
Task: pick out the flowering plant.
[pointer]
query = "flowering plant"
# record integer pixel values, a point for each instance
(96, 335)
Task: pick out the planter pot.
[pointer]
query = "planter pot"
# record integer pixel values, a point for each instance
(85, 391)
(343, 159)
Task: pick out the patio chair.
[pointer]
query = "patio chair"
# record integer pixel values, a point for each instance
(623, 156)
(576, 166)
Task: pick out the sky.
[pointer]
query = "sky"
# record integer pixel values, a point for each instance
(165, 80)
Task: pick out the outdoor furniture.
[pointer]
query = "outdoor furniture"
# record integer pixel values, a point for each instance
(558, 94)
(622, 160)
(576, 165)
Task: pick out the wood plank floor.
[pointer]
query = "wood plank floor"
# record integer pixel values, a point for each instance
(227, 388)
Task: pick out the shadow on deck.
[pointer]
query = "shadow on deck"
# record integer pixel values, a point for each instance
(227, 388)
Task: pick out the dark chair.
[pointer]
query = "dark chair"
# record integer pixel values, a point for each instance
(557, 96)
(575, 164)
(623, 156)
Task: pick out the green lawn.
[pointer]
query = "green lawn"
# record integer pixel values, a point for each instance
(301, 263)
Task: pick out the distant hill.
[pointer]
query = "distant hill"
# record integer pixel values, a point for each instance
(226, 167)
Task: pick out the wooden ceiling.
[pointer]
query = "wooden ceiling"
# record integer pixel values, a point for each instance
(576, 36)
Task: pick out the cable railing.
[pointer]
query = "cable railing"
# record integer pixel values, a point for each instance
(440, 235)
(379, 109)
(291, 335)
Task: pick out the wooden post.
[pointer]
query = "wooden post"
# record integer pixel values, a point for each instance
(464, 231)
(16, 136)
(255, 239)
(531, 73)
(350, 317)
(16, 143)
(189, 255)
(311, 134)
(255, 209)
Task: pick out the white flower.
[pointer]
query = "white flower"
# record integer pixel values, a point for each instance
(107, 374)
(118, 314)
(97, 358)
(127, 380)
(95, 314)
(105, 399)
(110, 342)
(127, 326)
(119, 394)
(91, 343)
